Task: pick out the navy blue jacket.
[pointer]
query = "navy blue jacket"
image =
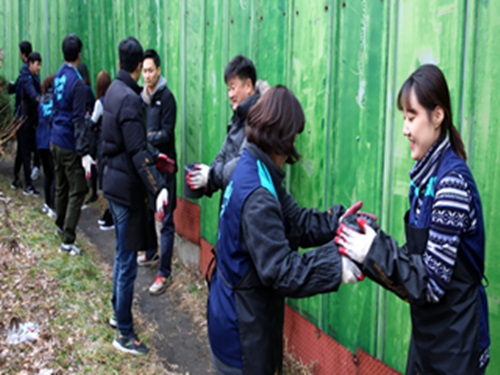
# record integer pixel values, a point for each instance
(68, 126)
(28, 93)
(258, 265)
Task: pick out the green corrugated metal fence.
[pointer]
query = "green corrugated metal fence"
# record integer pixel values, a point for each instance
(345, 60)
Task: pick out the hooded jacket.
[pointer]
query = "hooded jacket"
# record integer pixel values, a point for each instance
(232, 144)
(161, 110)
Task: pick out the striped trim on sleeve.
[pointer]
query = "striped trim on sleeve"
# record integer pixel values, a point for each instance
(452, 215)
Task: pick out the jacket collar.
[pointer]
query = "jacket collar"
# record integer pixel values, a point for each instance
(277, 174)
(126, 78)
(245, 105)
(424, 169)
(162, 83)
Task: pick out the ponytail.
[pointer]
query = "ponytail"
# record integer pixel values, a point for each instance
(456, 143)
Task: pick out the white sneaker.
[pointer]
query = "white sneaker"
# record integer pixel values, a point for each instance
(35, 173)
(70, 248)
(160, 285)
(51, 213)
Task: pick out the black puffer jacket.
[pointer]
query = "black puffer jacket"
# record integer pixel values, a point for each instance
(129, 167)
(161, 110)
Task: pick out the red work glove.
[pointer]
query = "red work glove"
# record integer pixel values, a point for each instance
(351, 210)
(165, 164)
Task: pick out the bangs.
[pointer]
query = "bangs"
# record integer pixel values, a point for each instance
(404, 95)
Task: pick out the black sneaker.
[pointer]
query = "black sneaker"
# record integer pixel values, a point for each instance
(130, 344)
(30, 190)
(16, 184)
(106, 218)
(59, 231)
(92, 199)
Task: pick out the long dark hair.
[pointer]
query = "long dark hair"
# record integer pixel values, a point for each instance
(84, 72)
(47, 84)
(103, 82)
(274, 121)
(431, 90)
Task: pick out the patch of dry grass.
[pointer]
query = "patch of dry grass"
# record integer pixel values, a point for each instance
(68, 297)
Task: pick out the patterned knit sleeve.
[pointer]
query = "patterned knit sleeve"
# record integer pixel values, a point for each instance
(451, 216)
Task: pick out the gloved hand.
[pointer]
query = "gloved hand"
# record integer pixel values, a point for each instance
(351, 210)
(350, 271)
(165, 164)
(161, 202)
(87, 162)
(353, 244)
(352, 221)
(198, 179)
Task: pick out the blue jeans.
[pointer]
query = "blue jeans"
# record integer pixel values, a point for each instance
(124, 271)
(167, 235)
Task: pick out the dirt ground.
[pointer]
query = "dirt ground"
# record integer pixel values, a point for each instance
(182, 343)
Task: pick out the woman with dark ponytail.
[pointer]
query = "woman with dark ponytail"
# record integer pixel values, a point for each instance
(439, 270)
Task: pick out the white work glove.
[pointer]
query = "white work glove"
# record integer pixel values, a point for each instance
(353, 244)
(87, 162)
(198, 179)
(161, 202)
(350, 271)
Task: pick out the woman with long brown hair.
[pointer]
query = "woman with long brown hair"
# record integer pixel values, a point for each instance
(439, 270)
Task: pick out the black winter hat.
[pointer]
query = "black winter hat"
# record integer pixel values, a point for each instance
(131, 53)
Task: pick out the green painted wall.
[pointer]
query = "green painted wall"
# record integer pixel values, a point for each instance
(345, 60)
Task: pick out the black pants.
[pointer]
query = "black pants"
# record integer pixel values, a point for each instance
(49, 177)
(93, 181)
(26, 140)
(36, 156)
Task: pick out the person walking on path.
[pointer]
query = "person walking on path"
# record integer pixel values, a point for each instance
(70, 144)
(129, 174)
(161, 111)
